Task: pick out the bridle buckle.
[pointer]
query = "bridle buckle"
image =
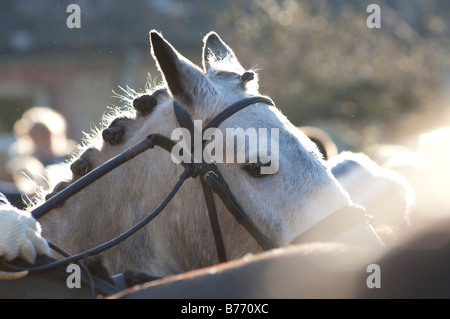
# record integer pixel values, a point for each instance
(206, 176)
(212, 179)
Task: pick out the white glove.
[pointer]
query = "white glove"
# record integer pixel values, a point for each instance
(20, 235)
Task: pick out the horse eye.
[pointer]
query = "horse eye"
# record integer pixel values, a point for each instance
(254, 169)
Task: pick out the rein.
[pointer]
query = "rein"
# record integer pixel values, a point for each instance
(211, 179)
(149, 142)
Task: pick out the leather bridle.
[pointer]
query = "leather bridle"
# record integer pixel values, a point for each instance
(212, 182)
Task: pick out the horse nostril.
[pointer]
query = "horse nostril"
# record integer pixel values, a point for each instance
(145, 104)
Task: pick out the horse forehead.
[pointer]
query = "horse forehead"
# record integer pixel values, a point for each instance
(262, 116)
(258, 115)
(289, 139)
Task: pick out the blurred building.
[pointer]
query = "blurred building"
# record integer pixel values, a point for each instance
(74, 71)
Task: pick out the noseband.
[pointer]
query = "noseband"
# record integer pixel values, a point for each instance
(211, 179)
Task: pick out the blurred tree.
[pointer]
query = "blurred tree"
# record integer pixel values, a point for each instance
(320, 61)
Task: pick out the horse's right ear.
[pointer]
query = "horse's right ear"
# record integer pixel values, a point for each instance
(214, 48)
(186, 81)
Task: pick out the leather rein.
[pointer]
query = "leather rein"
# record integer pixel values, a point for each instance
(212, 182)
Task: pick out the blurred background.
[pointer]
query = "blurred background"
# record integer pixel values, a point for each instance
(317, 60)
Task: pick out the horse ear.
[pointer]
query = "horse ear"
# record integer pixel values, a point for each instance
(214, 49)
(186, 81)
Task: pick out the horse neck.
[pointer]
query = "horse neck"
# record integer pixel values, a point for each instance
(361, 235)
(127, 194)
(330, 200)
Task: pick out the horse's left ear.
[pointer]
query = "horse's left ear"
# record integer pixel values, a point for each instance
(186, 81)
(215, 49)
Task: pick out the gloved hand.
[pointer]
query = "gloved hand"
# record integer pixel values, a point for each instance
(20, 234)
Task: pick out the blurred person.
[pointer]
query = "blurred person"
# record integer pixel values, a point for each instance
(41, 143)
(434, 187)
